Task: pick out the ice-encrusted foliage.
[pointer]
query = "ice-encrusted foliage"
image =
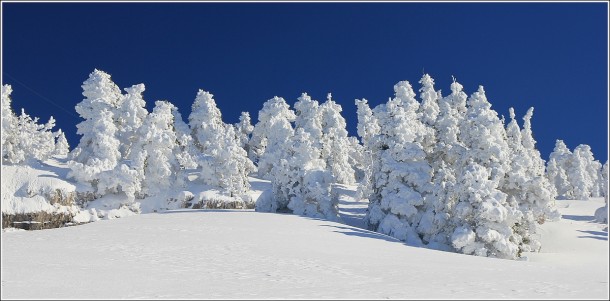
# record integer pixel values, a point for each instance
(205, 121)
(428, 112)
(368, 128)
(401, 174)
(271, 135)
(335, 142)
(301, 183)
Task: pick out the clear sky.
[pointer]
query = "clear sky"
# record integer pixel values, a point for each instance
(552, 56)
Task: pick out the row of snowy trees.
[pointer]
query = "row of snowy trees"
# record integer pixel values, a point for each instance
(444, 172)
(576, 175)
(24, 139)
(125, 148)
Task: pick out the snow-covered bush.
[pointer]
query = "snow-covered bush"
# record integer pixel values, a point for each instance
(62, 148)
(601, 214)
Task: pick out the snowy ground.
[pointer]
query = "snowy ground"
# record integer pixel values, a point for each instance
(246, 254)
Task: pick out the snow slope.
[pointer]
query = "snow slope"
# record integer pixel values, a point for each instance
(246, 254)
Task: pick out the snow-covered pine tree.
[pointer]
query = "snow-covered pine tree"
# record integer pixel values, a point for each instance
(601, 214)
(185, 150)
(309, 118)
(556, 171)
(428, 112)
(483, 219)
(401, 174)
(23, 138)
(62, 148)
(98, 129)
(130, 115)
(301, 182)
(271, 135)
(335, 142)
(224, 163)
(96, 159)
(243, 130)
(368, 128)
(434, 225)
(152, 155)
(583, 172)
(9, 121)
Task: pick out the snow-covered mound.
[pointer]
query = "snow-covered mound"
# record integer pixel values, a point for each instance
(197, 254)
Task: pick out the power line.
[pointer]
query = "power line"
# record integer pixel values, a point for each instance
(40, 95)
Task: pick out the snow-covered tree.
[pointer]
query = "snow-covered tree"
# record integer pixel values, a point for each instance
(484, 218)
(97, 159)
(243, 130)
(309, 118)
(401, 175)
(224, 163)
(185, 151)
(98, 129)
(583, 172)
(301, 182)
(271, 135)
(23, 138)
(556, 171)
(153, 154)
(130, 115)
(601, 214)
(9, 120)
(335, 142)
(428, 112)
(62, 147)
(368, 128)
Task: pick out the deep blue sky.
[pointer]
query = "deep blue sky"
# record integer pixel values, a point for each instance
(552, 56)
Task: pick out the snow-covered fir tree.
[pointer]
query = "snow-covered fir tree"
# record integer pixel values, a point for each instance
(224, 163)
(185, 151)
(98, 129)
(309, 118)
(401, 175)
(97, 159)
(368, 128)
(601, 214)
(556, 171)
(130, 115)
(62, 148)
(23, 138)
(243, 130)
(271, 135)
(335, 142)
(583, 172)
(428, 112)
(301, 182)
(153, 156)
(484, 219)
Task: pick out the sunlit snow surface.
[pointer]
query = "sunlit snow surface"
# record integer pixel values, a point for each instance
(245, 254)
